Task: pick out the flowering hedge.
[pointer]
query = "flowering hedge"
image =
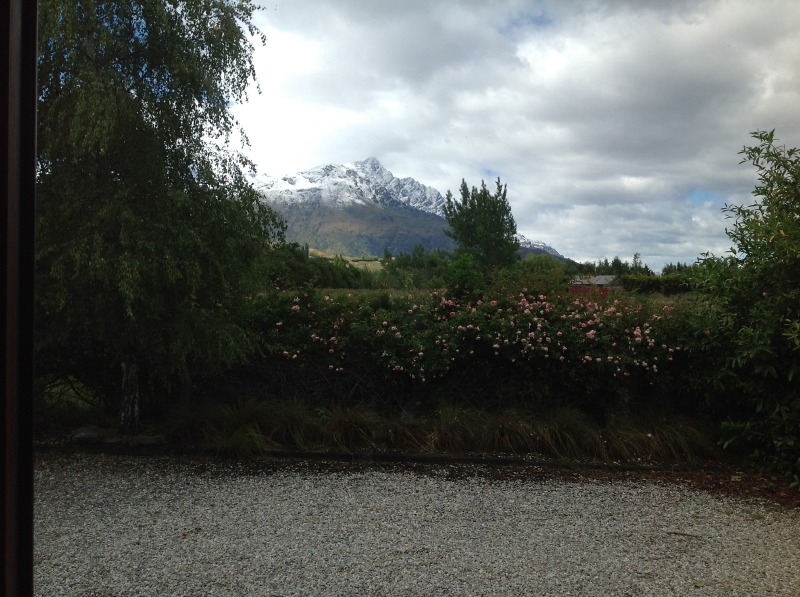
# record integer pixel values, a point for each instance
(611, 349)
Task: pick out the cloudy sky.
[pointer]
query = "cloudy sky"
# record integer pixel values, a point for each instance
(616, 125)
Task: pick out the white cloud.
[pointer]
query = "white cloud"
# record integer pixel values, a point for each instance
(283, 131)
(611, 122)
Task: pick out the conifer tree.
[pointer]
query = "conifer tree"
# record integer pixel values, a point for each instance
(482, 225)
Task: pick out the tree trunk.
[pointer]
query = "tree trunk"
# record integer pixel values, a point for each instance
(129, 403)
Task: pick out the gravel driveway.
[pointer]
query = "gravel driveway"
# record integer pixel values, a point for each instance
(123, 526)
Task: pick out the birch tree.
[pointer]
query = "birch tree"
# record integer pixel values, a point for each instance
(148, 232)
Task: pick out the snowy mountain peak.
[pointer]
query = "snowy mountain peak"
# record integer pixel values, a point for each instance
(537, 244)
(374, 167)
(338, 185)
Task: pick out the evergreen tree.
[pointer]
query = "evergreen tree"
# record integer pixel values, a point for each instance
(674, 268)
(148, 232)
(482, 225)
(619, 267)
(637, 267)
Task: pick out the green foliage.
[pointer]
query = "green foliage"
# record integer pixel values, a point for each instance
(755, 308)
(666, 284)
(379, 301)
(482, 225)
(637, 276)
(66, 403)
(148, 232)
(615, 267)
(339, 273)
(420, 269)
(674, 268)
(291, 267)
(542, 273)
(518, 345)
(464, 277)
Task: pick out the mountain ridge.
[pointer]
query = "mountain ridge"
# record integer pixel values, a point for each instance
(362, 208)
(355, 182)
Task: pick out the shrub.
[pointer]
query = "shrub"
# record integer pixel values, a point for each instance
(464, 278)
(754, 312)
(512, 347)
(668, 284)
(542, 274)
(290, 266)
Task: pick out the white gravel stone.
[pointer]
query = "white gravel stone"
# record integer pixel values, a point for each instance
(121, 526)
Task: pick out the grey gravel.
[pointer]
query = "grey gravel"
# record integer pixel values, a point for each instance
(124, 526)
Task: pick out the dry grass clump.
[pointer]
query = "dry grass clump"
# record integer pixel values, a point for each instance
(191, 427)
(259, 427)
(655, 438)
(409, 436)
(248, 427)
(237, 430)
(293, 424)
(352, 427)
(568, 433)
(246, 441)
(455, 429)
(563, 433)
(509, 431)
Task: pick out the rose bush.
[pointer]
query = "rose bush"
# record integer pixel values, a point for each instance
(598, 353)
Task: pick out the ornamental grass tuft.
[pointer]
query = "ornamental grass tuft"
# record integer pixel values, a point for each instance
(254, 428)
(352, 427)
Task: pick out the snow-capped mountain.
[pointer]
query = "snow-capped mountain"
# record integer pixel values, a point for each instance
(359, 182)
(361, 209)
(526, 243)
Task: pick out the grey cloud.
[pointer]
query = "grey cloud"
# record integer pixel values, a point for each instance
(374, 46)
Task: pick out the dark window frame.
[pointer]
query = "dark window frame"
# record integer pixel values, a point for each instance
(18, 59)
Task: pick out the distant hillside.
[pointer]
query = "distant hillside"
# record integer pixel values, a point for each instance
(525, 251)
(363, 229)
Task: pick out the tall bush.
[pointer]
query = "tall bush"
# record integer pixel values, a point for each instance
(756, 308)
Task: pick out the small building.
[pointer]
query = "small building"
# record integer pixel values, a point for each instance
(585, 285)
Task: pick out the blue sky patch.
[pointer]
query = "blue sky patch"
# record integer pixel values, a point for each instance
(524, 21)
(704, 196)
